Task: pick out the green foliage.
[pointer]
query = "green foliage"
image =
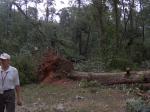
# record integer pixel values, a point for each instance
(26, 68)
(106, 37)
(134, 105)
(129, 89)
(87, 66)
(87, 84)
(137, 105)
(119, 63)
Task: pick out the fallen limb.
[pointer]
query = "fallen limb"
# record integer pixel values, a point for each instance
(114, 78)
(144, 95)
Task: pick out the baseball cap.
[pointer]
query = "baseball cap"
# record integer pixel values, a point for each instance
(4, 56)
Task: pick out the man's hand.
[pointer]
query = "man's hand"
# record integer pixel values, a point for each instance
(19, 103)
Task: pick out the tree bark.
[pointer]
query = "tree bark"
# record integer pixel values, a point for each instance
(87, 43)
(131, 14)
(99, 5)
(117, 21)
(143, 26)
(9, 18)
(114, 78)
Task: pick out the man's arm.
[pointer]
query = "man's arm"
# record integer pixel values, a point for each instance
(17, 88)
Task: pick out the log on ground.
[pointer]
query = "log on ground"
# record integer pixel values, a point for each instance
(114, 78)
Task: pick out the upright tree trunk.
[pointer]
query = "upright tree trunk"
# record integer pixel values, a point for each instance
(80, 43)
(79, 40)
(47, 11)
(87, 43)
(9, 18)
(26, 5)
(47, 14)
(117, 22)
(79, 32)
(99, 5)
(37, 10)
(131, 14)
(124, 15)
(143, 25)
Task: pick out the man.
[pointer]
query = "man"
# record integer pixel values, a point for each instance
(9, 82)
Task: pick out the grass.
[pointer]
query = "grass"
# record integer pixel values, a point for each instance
(72, 98)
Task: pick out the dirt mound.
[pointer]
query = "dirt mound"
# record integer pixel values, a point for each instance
(53, 66)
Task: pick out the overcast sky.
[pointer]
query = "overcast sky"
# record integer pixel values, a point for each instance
(59, 4)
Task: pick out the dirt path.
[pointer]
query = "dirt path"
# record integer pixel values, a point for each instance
(73, 98)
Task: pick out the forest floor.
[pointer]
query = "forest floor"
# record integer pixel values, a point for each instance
(72, 97)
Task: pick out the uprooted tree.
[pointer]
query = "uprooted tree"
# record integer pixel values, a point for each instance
(53, 66)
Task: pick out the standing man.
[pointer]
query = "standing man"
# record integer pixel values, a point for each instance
(9, 83)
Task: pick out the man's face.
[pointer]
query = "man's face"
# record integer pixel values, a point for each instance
(4, 62)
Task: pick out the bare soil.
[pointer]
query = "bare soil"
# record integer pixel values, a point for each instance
(71, 97)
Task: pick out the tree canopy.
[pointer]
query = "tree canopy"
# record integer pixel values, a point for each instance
(113, 33)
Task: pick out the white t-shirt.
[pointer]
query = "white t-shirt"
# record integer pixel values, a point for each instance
(9, 78)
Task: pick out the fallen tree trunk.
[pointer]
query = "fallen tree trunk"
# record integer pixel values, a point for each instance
(144, 95)
(145, 86)
(114, 78)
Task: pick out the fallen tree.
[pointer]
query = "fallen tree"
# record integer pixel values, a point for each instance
(53, 66)
(114, 78)
(144, 95)
(145, 86)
